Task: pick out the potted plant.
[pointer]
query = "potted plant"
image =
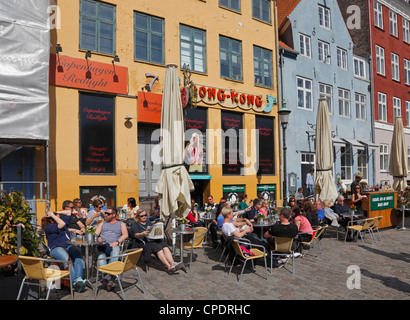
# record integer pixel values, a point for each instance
(208, 212)
(235, 206)
(261, 217)
(182, 223)
(89, 233)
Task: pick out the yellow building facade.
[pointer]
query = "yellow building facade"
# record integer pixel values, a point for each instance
(107, 74)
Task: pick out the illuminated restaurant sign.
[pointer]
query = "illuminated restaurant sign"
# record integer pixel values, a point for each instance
(229, 98)
(89, 75)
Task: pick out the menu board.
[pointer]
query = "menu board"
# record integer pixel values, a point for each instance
(195, 140)
(97, 152)
(232, 151)
(266, 163)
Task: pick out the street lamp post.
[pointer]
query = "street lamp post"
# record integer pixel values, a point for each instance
(284, 119)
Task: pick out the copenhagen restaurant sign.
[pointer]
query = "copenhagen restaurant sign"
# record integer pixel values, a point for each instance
(229, 98)
(89, 75)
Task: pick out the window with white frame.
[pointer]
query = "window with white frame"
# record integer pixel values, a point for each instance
(360, 103)
(326, 91)
(380, 66)
(304, 45)
(393, 23)
(304, 93)
(307, 158)
(406, 71)
(378, 15)
(344, 102)
(324, 17)
(346, 163)
(408, 114)
(396, 107)
(382, 103)
(406, 30)
(342, 58)
(362, 163)
(324, 51)
(359, 68)
(408, 159)
(384, 157)
(395, 71)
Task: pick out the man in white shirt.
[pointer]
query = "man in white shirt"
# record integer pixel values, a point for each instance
(310, 181)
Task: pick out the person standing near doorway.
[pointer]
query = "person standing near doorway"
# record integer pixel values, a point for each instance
(310, 181)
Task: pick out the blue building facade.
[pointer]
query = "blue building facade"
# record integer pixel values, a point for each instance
(317, 61)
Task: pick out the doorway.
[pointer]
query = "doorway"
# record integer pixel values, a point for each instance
(307, 161)
(198, 194)
(149, 165)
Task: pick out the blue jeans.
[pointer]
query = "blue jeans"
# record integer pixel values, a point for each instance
(310, 189)
(114, 252)
(59, 253)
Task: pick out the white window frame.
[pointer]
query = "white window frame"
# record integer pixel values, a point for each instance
(378, 15)
(306, 92)
(380, 62)
(393, 23)
(395, 67)
(384, 157)
(396, 107)
(326, 91)
(342, 58)
(406, 30)
(360, 104)
(359, 67)
(408, 115)
(406, 64)
(382, 105)
(346, 159)
(362, 163)
(324, 17)
(305, 45)
(323, 51)
(344, 102)
(307, 158)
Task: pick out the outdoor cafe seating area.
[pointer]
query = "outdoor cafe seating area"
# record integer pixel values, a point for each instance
(233, 254)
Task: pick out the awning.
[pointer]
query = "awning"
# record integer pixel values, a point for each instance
(339, 142)
(354, 143)
(369, 144)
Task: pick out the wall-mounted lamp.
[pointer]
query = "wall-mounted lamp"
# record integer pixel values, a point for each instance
(88, 54)
(128, 118)
(116, 59)
(59, 48)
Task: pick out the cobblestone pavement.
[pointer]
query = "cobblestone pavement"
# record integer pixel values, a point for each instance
(384, 275)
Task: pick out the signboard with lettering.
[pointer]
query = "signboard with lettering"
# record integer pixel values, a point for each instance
(232, 192)
(87, 74)
(267, 191)
(232, 150)
(381, 201)
(97, 152)
(149, 107)
(195, 141)
(266, 165)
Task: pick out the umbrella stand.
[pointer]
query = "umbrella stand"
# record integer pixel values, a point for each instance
(403, 228)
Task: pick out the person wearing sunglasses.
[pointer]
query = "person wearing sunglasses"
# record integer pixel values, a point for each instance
(113, 232)
(357, 198)
(96, 215)
(140, 230)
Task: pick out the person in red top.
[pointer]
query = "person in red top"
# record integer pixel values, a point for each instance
(303, 225)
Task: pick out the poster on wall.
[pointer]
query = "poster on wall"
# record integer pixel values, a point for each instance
(232, 192)
(266, 164)
(97, 152)
(232, 151)
(195, 141)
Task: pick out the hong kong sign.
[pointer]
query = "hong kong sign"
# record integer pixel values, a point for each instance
(86, 74)
(229, 98)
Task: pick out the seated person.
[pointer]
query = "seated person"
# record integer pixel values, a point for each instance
(95, 215)
(330, 216)
(343, 210)
(229, 228)
(74, 224)
(299, 195)
(113, 232)
(310, 213)
(55, 228)
(140, 229)
(253, 212)
(131, 207)
(155, 215)
(319, 210)
(303, 225)
(283, 229)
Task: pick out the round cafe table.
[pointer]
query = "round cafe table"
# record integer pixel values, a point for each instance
(181, 233)
(262, 225)
(7, 260)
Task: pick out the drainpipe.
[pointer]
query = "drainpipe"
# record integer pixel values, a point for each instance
(279, 96)
(372, 106)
